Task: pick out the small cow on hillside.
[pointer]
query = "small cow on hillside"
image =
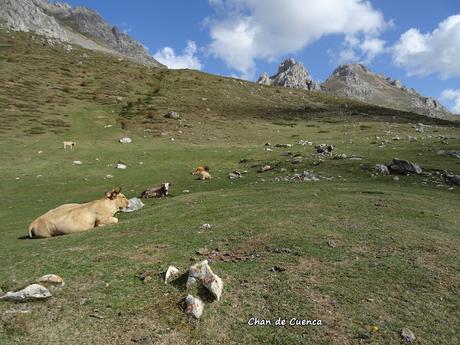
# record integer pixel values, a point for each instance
(156, 192)
(200, 169)
(204, 175)
(71, 218)
(324, 149)
(70, 144)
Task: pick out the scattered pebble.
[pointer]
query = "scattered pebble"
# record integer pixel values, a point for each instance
(407, 335)
(125, 140)
(277, 269)
(52, 280)
(332, 243)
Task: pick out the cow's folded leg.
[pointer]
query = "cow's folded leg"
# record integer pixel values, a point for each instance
(107, 221)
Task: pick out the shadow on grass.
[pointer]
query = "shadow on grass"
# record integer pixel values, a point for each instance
(203, 293)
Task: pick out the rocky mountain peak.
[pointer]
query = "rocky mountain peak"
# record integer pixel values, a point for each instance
(350, 69)
(357, 81)
(290, 74)
(79, 25)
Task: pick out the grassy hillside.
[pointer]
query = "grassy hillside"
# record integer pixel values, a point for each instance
(395, 259)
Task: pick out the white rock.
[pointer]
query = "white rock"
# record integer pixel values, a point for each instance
(407, 335)
(108, 176)
(33, 291)
(203, 273)
(205, 226)
(121, 166)
(381, 169)
(53, 280)
(134, 205)
(194, 306)
(77, 162)
(125, 140)
(186, 191)
(191, 282)
(170, 272)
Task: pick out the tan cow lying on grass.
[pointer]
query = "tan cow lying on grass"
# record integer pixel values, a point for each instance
(71, 218)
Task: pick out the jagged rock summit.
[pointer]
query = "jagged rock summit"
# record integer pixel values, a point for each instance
(291, 74)
(358, 82)
(79, 25)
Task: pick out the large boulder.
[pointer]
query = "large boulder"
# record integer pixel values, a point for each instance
(403, 167)
(454, 179)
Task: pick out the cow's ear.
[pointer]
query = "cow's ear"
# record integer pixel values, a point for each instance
(108, 195)
(116, 190)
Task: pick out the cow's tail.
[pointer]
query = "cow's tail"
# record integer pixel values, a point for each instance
(32, 233)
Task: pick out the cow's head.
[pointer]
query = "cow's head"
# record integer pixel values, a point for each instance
(165, 187)
(121, 201)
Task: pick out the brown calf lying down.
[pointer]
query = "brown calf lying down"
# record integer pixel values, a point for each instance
(156, 191)
(200, 169)
(71, 218)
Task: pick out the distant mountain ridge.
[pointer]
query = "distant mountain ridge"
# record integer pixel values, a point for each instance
(357, 81)
(79, 25)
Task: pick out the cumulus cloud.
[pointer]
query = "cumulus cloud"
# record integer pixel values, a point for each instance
(435, 53)
(454, 97)
(187, 59)
(245, 30)
(358, 48)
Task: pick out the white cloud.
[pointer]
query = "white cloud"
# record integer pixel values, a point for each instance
(436, 53)
(245, 30)
(453, 96)
(358, 48)
(187, 59)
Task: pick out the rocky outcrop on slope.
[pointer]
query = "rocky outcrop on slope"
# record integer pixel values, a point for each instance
(26, 16)
(291, 74)
(77, 25)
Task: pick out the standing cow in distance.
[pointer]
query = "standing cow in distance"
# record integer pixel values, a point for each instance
(70, 144)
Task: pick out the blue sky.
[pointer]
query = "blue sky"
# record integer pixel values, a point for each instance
(415, 41)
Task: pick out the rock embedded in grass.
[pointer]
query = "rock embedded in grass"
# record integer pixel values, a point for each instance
(125, 140)
(31, 292)
(52, 280)
(172, 115)
(201, 272)
(454, 179)
(194, 306)
(455, 154)
(297, 159)
(407, 335)
(170, 272)
(403, 167)
(381, 169)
